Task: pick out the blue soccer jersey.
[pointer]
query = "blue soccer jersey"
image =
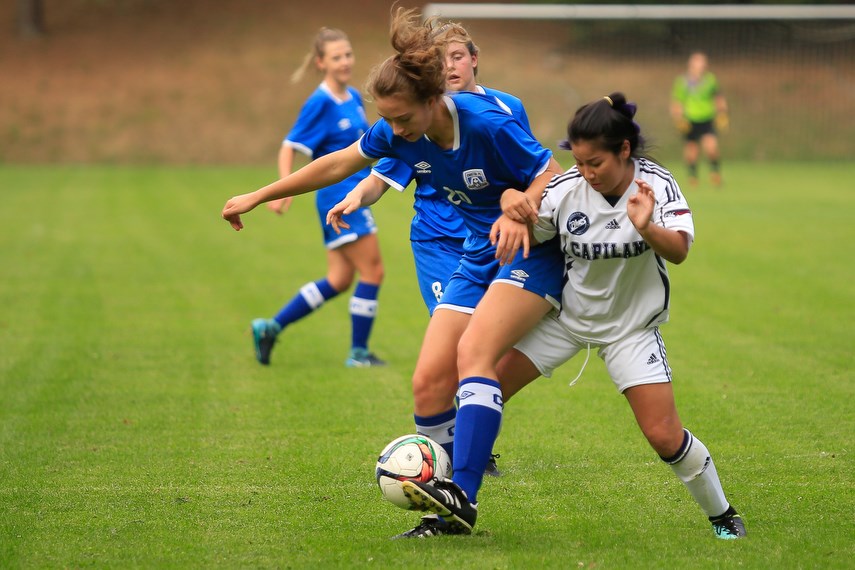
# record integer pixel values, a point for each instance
(436, 217)
(327, 124)
(491, 153)
(437, 231)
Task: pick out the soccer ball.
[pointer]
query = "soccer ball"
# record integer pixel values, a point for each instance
(414, 457)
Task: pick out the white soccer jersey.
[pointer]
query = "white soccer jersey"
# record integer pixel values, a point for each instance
(615, 282)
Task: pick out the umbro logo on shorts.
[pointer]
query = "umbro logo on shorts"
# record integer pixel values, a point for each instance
(653, 359)
(519, 275)
(613, 225)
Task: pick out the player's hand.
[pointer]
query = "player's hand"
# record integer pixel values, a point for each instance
(508, 236)
(639, 206)
(517, 206)
(335, 215)
(279, 206)
(236, 206)
(722, 123)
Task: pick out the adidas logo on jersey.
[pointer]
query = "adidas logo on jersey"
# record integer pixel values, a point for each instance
(653, 359)
(519, 275)
(613, 225)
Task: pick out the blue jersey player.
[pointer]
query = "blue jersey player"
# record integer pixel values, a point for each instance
(471, 151)
(437, 232)
(332, 118)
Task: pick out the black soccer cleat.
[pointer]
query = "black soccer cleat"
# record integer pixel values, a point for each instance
(431, 525)
(728, 526)
(492, 469)
(444, 498)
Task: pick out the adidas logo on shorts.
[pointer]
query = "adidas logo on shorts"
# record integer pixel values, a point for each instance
(653, 359)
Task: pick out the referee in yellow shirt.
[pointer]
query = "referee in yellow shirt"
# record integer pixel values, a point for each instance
(699, 111)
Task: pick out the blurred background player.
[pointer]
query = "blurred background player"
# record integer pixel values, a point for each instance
(620, 217)
(331, 119)
(699, 111)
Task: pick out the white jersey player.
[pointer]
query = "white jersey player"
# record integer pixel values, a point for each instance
(619, 217)
(615, 281)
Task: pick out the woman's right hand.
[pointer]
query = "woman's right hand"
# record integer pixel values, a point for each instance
(239, 205)
(509, 237)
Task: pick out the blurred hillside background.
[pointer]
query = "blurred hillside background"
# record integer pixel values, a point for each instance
(206, 81)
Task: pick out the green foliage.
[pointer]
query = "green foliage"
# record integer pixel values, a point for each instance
(136, 429)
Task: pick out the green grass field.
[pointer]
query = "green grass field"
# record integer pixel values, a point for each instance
(136, 429)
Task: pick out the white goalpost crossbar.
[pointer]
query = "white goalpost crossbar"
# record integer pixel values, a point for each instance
(640, 11)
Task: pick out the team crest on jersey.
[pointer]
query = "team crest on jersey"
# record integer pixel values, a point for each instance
(475, 179)
(578, 223)
(344, 124)
(422, 167)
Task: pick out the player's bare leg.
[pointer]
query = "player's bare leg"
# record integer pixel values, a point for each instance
(486, 339)
(656, 414)
(435, 377)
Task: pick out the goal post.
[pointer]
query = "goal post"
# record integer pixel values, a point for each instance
(787, 71)
(640, 11)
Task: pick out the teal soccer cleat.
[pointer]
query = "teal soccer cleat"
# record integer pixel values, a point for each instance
(361, 358)
(264, 332)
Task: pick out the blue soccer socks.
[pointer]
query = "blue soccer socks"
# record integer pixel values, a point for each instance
(363, 309)
(479, 417)
(310, 297)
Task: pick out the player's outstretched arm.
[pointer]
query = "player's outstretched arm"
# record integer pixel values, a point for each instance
(320, 173)
(670, 244)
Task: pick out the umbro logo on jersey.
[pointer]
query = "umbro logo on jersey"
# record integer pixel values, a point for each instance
(613, 225)
(344, 124)
(422, 167)
(519, 275)
(653, 359)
